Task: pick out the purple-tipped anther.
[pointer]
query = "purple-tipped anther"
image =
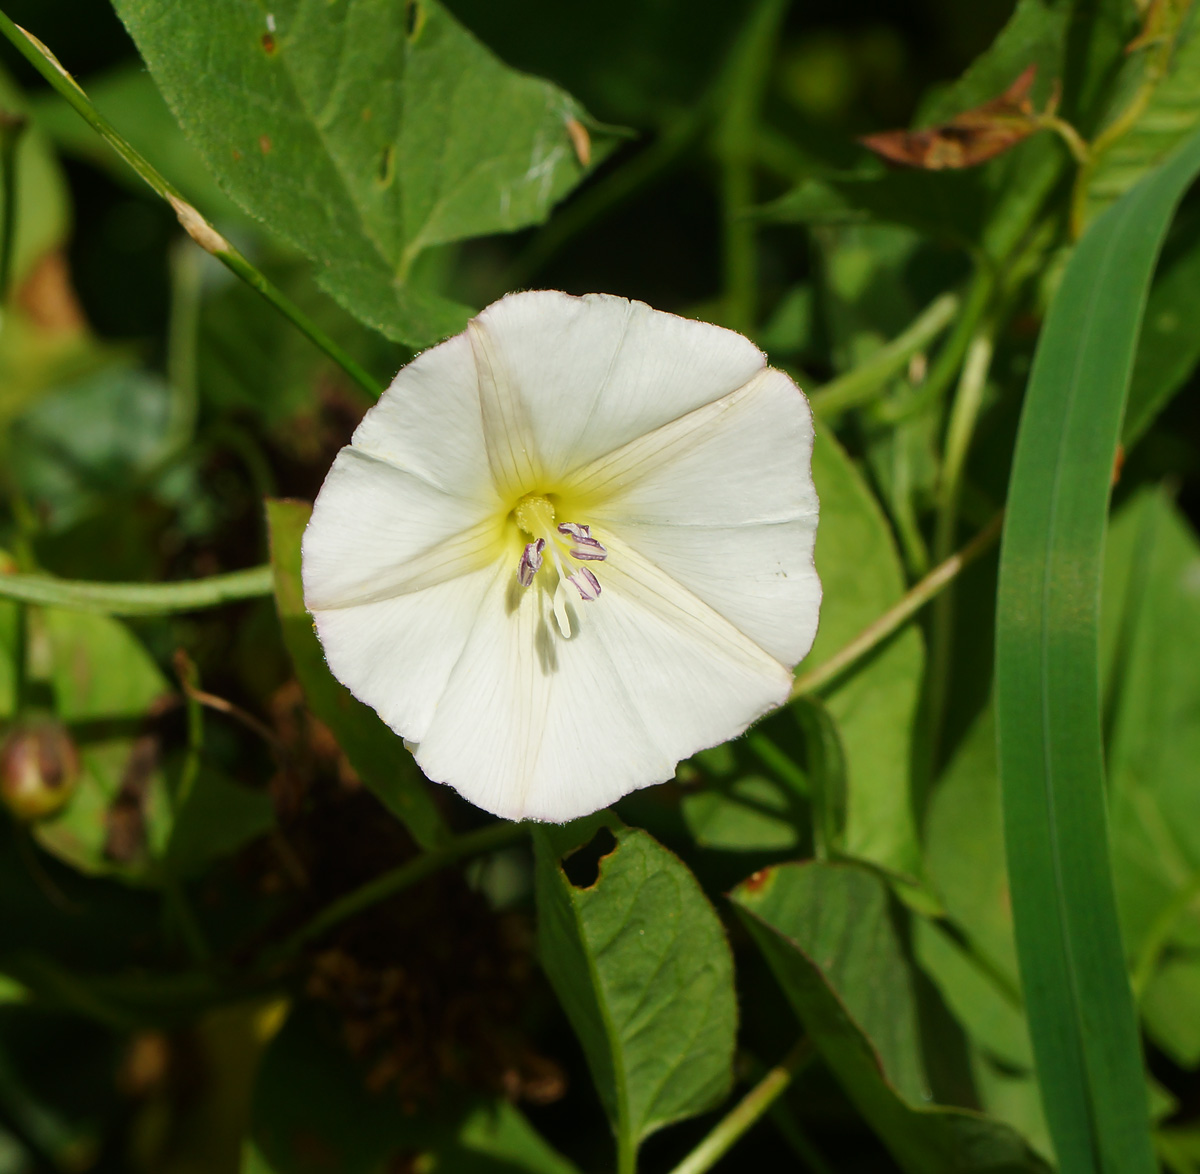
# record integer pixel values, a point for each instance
(586, 583)
(531, 562)
(585, 548)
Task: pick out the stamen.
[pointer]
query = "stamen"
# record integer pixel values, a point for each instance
(565, 545)
(531, 562)
(586, 583)
(586, 547)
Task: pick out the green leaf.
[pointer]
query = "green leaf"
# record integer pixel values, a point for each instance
(989, 1012)
(1170, 113)
(738, 806)
(964, 845)
(408, 130)
(77, 448)
(1048, 713)
(1150, 628)
(874, 707)
(129, 99)
(828, 934)
(375, 752)
(827, 771)
(215, 818)
(313, 1113)
(1033, 36)
(42, 205)
(118, 820)
(641, 966)
(1169, 346)
(99, 670)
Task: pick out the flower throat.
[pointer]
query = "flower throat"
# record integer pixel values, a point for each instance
(566, 546)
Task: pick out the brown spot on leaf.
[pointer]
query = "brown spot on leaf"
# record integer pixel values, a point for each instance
(1118, 463)
(237, 155)
(264, 144)
(969, 138)
(268, 43)
(580, 140)
(752, 884)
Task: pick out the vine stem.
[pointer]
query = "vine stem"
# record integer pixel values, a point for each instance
(865, 381)
(138, 599)
(735, 149)
(899, 613)
(488, 839)
(746, 1112)
(960, 429)
(196, 226)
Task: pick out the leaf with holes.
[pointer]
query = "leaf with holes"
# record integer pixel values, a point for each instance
(640, 963)
(365, 132)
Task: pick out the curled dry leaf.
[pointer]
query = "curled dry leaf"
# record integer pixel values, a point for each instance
(969, 138)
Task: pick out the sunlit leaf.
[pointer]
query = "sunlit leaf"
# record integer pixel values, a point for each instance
(875, 706)
(828, 934)
(640, 963)
(364, 132)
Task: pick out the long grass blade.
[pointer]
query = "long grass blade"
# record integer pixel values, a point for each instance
(1048, 699)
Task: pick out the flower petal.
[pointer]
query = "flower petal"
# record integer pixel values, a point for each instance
(377, 531)
(397, 654)
(428, 423)
(597, 371)
(723, 501)
(534, 726)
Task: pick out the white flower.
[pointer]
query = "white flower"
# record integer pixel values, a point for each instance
(569, 547)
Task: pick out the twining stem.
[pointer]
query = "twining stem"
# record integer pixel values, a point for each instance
(488, 839)
(138, 599)
(746, 1112)
(197, 227)
(964, 415)
(867, 380)
(899, 613)
(735, 148)
(12, 126)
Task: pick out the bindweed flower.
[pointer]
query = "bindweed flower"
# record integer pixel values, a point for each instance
(569, 547)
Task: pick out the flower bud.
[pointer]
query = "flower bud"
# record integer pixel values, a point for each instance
(39, 768)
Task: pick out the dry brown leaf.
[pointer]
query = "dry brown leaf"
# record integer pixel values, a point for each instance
(969, 138)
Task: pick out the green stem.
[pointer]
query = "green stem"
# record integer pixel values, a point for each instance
(488, 839)
(950, 358)
(199, 229)
(735, 149)
(899, 613)
(138, 599)
(868, 379)
(960, 429)
(746, 1113)
(12, 126)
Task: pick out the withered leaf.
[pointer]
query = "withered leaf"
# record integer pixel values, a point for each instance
(969, 138)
